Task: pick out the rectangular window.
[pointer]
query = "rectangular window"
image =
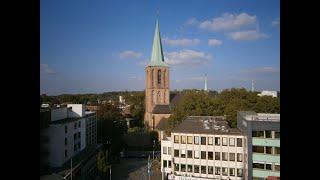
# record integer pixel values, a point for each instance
(259, 134)
(224, 141)
(79, 124)
(232, 156)
(79, 145)
(217, 141)
(257, 165)
(210, 169)
(164, 149)
(239, 142)
(232, 172)
(268, 150)
(176, 167)
(218, 171)
(75, 147)
(210, 140)
(189, 154)
(196, 154)
(196, 140)
(231, 142)
(183, 139)
(183, 153)
(169, 150)
(239, 157)
(75, 125)
(65, 129)
(196, 169)
(210, 155)
(225, 171)
(277, 135)
(268, 166)
(277, 150)
(203, 170)
(258, 149)
(224, 156)
(65, 153)
(203, 155)
(176, 139)
(203, 141)
(65, 141)
(164, 163)
(75, 136)
(217, 156)
(277, 167)
(169, 164)
(79, 135)
(183, 168)
(268, 134)
(189, 139)
(239, 173)
(189, 168)
(176, 153)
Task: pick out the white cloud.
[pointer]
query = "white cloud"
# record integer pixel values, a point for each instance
(187, 57)
(246, 35)
(275, 22)
(227, 22)
(255, 74)
(214, 42)
(136, 78)
(192, 22)
(44, 69)
(129, 54)
(181, 42)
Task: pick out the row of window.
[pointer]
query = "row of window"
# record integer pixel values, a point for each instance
(266, 150)
(205, 169)
(266, 134)
(75, 126)
(207, 140)
(266, 166)
(77, 135)
(208, 155)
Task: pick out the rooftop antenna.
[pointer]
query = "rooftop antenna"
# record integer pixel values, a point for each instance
(252, 86)
(205, 83)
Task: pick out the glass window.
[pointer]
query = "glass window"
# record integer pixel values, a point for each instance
(65, 129)
(176, 139)
(189, 139)
(210, 169)
(164, 150)
(224, 141)
(189, 168)
(176, 167)
(203, 140)
(203, 170)
(210, 155)
(164, 163)
(203, 155)
(225, 171)
(277, 167)
(74, 147)
(277, 150)
(189, 154)
(196, 154)
(239, 173)
(217, 141)
(224, 156)
(79, 135)
(232, 156)
(183, 168)
(196, 140)
(239, 142)
(277, 135)
(75, 125)
(268, 166)
(268, 134)
(75, 136)
(258, 149)
(183, 139)
(169, 150)
(65, 141)
(268, 150)
(196, 169)
(258, 134)
(218, 171)
(217, 156)
(232, 172)
(231, 142)
(79, 145)
(65, 153)
(239, 157)
(79, 124)
(159, 76)
(169, 164)
(210, 140)
(176, 153)
(258, 165)
(183, 153)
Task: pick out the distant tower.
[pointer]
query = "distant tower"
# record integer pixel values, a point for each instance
(205, 83)
(252, 86)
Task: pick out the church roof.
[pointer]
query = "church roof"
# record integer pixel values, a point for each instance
(157, 57)
(161, 109)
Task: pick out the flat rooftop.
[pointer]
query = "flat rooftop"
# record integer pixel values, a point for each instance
(206, 125)
(253, 116)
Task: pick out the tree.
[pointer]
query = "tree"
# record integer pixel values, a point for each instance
(102, 161)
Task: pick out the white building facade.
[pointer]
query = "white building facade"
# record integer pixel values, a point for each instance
(269, 93)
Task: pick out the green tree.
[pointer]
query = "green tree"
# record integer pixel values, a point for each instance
(102, 161)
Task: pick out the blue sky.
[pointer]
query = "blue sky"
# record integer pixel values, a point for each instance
(97, 46)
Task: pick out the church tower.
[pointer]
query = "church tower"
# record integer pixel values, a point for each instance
(157, 81)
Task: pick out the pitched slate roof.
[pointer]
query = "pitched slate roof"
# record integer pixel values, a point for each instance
(161, 109)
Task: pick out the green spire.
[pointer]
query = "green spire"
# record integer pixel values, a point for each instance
(157, 58)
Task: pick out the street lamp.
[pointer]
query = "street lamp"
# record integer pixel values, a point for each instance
(154, 141)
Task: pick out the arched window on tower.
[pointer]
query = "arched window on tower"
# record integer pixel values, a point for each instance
(152, 74)
(159, 77)
(159, 97)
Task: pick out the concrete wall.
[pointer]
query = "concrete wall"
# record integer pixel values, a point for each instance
(77, 110)
(59, 113)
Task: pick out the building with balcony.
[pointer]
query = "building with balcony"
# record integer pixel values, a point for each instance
(203, 147)
(263, 143)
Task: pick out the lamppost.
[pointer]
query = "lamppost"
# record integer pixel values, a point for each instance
(154, 141)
